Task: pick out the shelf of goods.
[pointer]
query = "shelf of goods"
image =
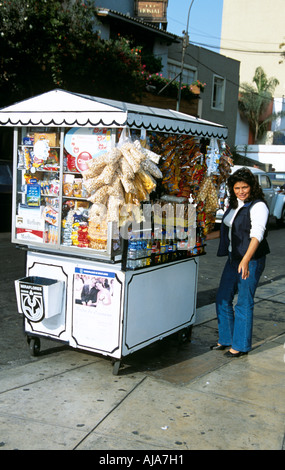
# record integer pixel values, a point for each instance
(112, 202)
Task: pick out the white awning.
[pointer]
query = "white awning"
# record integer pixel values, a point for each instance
(60, 108)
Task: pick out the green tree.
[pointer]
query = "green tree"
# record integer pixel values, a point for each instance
(47, 44)
(254, 101)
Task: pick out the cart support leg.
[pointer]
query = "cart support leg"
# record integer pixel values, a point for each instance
(116, 367)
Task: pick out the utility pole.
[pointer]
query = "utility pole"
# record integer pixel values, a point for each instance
(185, 43)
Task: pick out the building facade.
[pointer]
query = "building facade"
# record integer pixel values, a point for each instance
(219, 101)
(252, 32)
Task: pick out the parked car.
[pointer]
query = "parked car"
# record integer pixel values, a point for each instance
(275, 200)
(6, 180)
(277, 179)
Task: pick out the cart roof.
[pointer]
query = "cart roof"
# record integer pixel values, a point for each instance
(60, 108)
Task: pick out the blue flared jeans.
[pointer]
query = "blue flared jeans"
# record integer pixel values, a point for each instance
(235, 323)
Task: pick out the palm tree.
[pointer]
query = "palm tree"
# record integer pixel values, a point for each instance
(254, 101)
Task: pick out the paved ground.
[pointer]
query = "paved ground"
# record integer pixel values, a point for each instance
(166, 397)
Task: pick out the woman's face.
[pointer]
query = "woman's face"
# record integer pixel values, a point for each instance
(242, 190)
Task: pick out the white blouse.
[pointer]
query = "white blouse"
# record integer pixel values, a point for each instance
(258, 217)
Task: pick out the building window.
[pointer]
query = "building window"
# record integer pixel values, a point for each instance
(189, 74)
(218, 93)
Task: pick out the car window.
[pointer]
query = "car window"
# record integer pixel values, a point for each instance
(265, 182)
(277, 176)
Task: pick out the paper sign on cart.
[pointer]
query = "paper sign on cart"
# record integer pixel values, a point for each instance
(96, 309)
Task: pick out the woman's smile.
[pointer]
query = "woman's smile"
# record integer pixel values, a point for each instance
(242, 190)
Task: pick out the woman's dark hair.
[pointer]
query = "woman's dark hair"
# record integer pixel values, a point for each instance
(246, 176)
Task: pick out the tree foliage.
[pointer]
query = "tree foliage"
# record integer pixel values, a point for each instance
(48, 44)
(254, 101)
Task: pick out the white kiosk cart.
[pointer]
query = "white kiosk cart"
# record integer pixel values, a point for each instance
(128, 306)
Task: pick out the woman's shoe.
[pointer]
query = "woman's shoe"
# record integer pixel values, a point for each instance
(218, 347)
(237, 354)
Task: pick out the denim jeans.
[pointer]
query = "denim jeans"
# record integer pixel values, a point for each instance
(235, 324)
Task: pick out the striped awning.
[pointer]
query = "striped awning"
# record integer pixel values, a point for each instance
(60, 108)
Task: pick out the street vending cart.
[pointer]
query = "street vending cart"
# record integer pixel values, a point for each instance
(102, 207)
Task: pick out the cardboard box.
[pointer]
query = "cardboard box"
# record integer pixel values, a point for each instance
(51, 137)
(30, 235)
(30, 228)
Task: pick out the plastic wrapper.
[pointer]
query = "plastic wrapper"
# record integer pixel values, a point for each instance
(133, 162)
(97, 213)
(105, 178)
(128, 185)
(98, 163)
(208, 195)
(117, 189)
(126, 168)
(113, 209)
(151, 168)
(100, 196)
(92, 185)
(141, 192)
(147, 180)
(97, 232)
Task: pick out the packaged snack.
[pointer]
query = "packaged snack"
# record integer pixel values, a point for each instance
(71, 163)
(77, 187)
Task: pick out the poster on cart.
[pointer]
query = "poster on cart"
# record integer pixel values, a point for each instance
(86, 143)
(96, 309)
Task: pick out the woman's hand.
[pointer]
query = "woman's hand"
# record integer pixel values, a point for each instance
(243, 269)
(243, 266)
(213, 235)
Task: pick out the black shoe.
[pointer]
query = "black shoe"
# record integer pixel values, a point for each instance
(218, 347)
(237, 354)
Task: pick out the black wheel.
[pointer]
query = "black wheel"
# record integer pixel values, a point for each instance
(35, 346)
(184, 336)
(116, 367)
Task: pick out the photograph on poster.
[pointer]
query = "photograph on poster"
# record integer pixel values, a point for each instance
(96, 309)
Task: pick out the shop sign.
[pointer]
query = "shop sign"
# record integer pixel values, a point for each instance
(151, 10)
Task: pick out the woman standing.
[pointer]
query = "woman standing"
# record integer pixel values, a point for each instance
(243, 240)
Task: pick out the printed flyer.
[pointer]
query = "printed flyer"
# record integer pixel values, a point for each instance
(96, 309)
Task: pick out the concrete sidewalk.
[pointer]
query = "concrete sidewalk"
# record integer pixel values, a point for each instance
(166, 397)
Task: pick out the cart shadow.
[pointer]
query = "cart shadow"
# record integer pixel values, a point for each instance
(170, 352)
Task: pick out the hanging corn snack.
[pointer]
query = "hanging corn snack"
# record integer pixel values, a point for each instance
(135, 165)
(98, 163)
(126, 168)
(154, 157)
(151, 167)
(208, 195)
(140, 190)
(100, 196)
(147, 180)
(127, 184)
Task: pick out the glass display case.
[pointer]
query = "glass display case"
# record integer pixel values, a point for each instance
(51, 204)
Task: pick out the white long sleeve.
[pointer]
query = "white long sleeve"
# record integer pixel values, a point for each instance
(258, 216)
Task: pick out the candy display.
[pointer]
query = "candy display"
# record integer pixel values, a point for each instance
(122, 185)
(188, 173)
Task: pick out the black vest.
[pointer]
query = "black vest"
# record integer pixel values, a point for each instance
(240, 235)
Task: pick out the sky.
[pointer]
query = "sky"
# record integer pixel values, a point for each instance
(205, 21)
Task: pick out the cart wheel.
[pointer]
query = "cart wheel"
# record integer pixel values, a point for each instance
(35, 346)
(116, 367)
(184, 336)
